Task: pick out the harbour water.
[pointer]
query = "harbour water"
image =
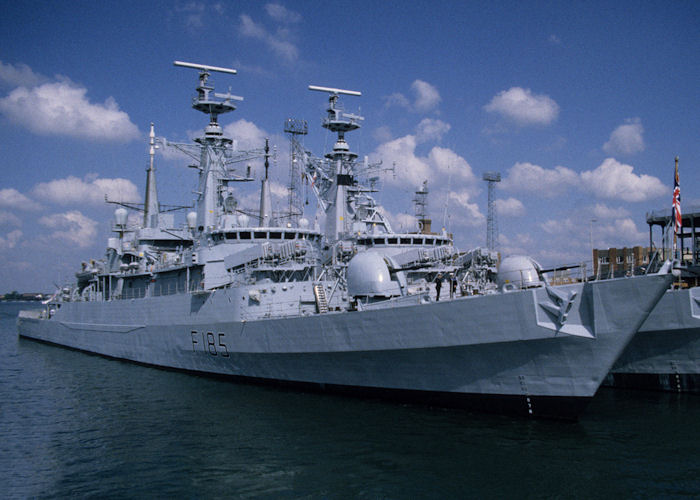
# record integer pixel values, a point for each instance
(78, 425)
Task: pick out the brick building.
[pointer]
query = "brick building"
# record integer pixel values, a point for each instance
(617, 262)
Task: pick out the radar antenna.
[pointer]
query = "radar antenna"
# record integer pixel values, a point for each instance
(337, 121)
(332, 90)
(206, 100)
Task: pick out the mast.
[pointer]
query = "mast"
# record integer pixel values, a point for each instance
(339, 122)
(151, 208)
(421, 206)
(492, 222)
(337, 180)
(265, 196)
(215, 148)
(295, 129)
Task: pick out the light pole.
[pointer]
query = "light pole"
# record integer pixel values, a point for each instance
(590, 239)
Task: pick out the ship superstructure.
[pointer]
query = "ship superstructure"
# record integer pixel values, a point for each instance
(348, 308)
(355, 224)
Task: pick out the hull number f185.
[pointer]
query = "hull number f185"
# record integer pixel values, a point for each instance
(210, 342)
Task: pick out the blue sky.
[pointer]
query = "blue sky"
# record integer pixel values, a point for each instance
(581, 106)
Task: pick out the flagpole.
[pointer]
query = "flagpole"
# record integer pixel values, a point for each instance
(676, 217)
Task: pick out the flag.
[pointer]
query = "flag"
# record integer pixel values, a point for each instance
(676, 212)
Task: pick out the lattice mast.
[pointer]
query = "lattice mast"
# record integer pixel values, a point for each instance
(421, 205)
(491, 222)
(295, 129)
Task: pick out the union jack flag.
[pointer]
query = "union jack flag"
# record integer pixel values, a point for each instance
(676, 212)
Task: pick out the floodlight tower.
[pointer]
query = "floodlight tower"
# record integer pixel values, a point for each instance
(491, 223)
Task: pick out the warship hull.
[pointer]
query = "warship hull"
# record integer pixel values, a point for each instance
(665, 353)
(502, 352)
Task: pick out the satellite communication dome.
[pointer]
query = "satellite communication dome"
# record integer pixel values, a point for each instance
(303, 223)
(368, 276)
(120, 216)
(192, 220)
(519, 270)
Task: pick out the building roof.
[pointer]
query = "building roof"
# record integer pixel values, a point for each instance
(689, 214)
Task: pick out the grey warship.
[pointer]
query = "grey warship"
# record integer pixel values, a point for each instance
(665, 353)
(348, 309)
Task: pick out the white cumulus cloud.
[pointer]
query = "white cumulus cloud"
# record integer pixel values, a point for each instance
(382, 134)
(18, 75)
(10, 240)
(401, 221)
(62, 108)
(281, 13)
(279, 191)
(246, 134)
(602, 211)
(9, 219)
(427, 96)
(398, 99)
(560, 227)
(620, 232)
(11, 198)
(548, 183)
(626, 139)
(72, 226)
(277, 42)
(510, 207)
(523, 107)
(193, 13)
(412, 170)
(72, 190)
(462, 211)
(430, 129)
(615, 180)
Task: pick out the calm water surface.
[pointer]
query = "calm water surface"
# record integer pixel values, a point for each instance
(76, 425)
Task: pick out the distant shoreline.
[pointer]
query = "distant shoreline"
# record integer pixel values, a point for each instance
(25, 297)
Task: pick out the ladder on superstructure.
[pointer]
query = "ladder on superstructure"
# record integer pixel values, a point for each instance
(321, 302)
